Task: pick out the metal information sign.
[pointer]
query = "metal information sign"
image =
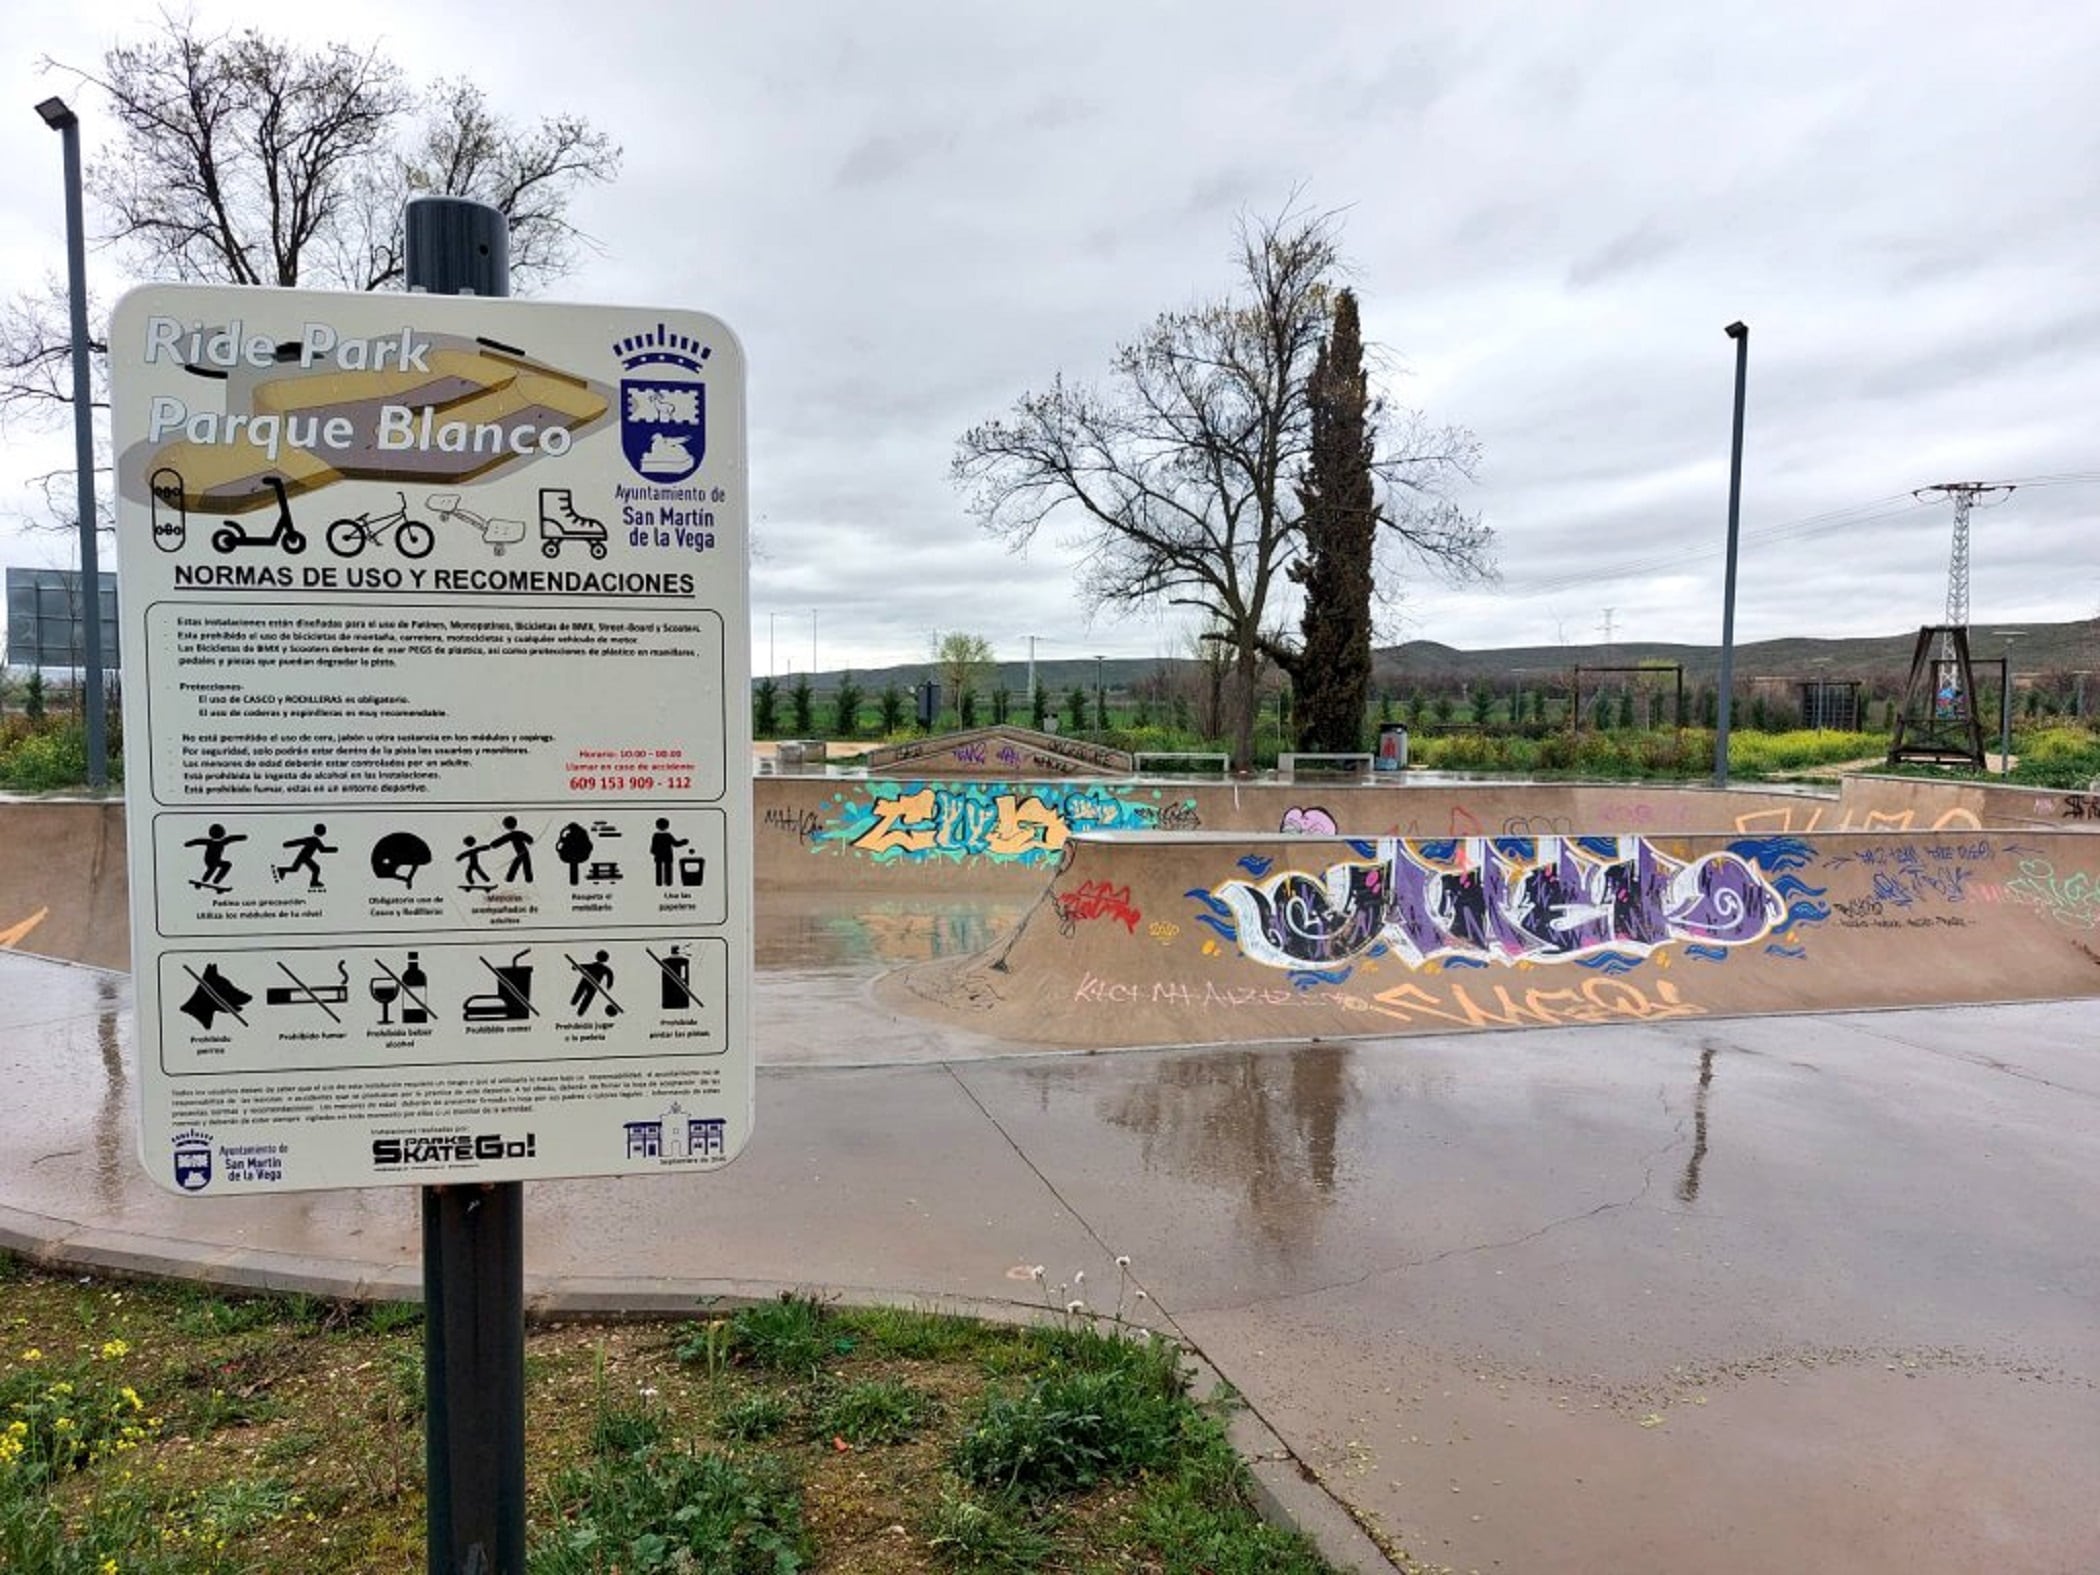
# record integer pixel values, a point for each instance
(436, 618)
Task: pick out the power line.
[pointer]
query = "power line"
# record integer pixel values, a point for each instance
(1896, 506)
(1812, 525)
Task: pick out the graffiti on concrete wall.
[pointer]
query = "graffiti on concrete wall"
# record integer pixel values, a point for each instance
(1595, 999)
(1308, 820)
(1002, 822)
(1808, 816)
(2072, 900)
(13, 935)
(1096, 899)
(1479, 901)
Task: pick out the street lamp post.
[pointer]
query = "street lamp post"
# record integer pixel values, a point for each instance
(1740, 333)
(67, 124)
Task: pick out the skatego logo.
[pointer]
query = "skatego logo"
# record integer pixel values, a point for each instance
(663, 418)
(193, 1161)
(450, 1148)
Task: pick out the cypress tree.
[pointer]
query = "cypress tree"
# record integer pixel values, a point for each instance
(1338, 507)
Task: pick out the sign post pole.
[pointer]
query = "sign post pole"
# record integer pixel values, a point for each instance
(473, 1235)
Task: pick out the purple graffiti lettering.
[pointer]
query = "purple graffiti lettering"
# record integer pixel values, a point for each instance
(1309, 820)
(1501, 904)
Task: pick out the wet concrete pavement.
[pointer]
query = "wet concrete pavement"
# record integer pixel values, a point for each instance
(1789, 1293)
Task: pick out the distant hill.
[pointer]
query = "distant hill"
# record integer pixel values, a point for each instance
(1428, 665)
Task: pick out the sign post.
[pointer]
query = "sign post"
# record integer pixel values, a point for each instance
(473, 1236)
(436, 627)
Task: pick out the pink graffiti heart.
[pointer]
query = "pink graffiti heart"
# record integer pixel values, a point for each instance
(1309, 822)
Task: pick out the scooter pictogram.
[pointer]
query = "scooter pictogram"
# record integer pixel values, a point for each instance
(495, 534)
(233, 535)
(559, 522)
(412, 538)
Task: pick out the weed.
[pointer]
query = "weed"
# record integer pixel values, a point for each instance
(787, 1336)
(387, 1317)
(913, 1333)
(618, 1433)
(1069, 1430)
(713, 1343)
(408, 1378)
(991, 1535)
(670, 1509)
(875, 1411)
(237, 1507)
(213, 1409)
(292, 1446)
(754, 1416)
(209, 1316)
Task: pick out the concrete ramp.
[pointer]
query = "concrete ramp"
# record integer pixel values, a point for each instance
(63, 888)
(1145, 939)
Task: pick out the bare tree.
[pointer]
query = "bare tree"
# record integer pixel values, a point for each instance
(1179, 471)
(244, 159)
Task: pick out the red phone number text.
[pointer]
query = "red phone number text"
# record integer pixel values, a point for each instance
(643, 783)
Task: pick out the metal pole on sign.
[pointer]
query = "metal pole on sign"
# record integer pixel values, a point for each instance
(473, 1234)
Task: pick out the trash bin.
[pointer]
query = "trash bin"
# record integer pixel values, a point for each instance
(1392, 747)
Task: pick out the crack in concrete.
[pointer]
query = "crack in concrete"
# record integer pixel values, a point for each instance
(1978, 1059)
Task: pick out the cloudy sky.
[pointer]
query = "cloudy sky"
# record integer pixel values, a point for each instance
(913, 213)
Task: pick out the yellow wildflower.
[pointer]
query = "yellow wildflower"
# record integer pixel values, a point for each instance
(32, 1355)
(113, 1349)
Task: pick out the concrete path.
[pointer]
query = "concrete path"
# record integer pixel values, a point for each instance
(1811, 1293)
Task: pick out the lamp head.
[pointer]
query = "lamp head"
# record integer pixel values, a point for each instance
(1737, 330)
(56, 115)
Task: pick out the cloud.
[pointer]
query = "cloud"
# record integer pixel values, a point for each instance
(1628, 253)
(1551, 211)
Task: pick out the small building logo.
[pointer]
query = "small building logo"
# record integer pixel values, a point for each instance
(193, 1161)
(678, 1138)
(663, 416)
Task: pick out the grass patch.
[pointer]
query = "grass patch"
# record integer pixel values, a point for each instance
(874, 1411)
(173, 1432)
(674, 1509)
(755, 1416)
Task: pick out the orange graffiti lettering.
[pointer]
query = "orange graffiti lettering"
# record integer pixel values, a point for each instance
(1025, 825)
(11, 937)
(904, 824)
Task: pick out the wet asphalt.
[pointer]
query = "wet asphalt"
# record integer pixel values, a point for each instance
(1810, 1292)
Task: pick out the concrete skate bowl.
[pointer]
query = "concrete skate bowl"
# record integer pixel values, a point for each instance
(1150, 939)
(827, 845)
(900, 835)
(64, 888)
